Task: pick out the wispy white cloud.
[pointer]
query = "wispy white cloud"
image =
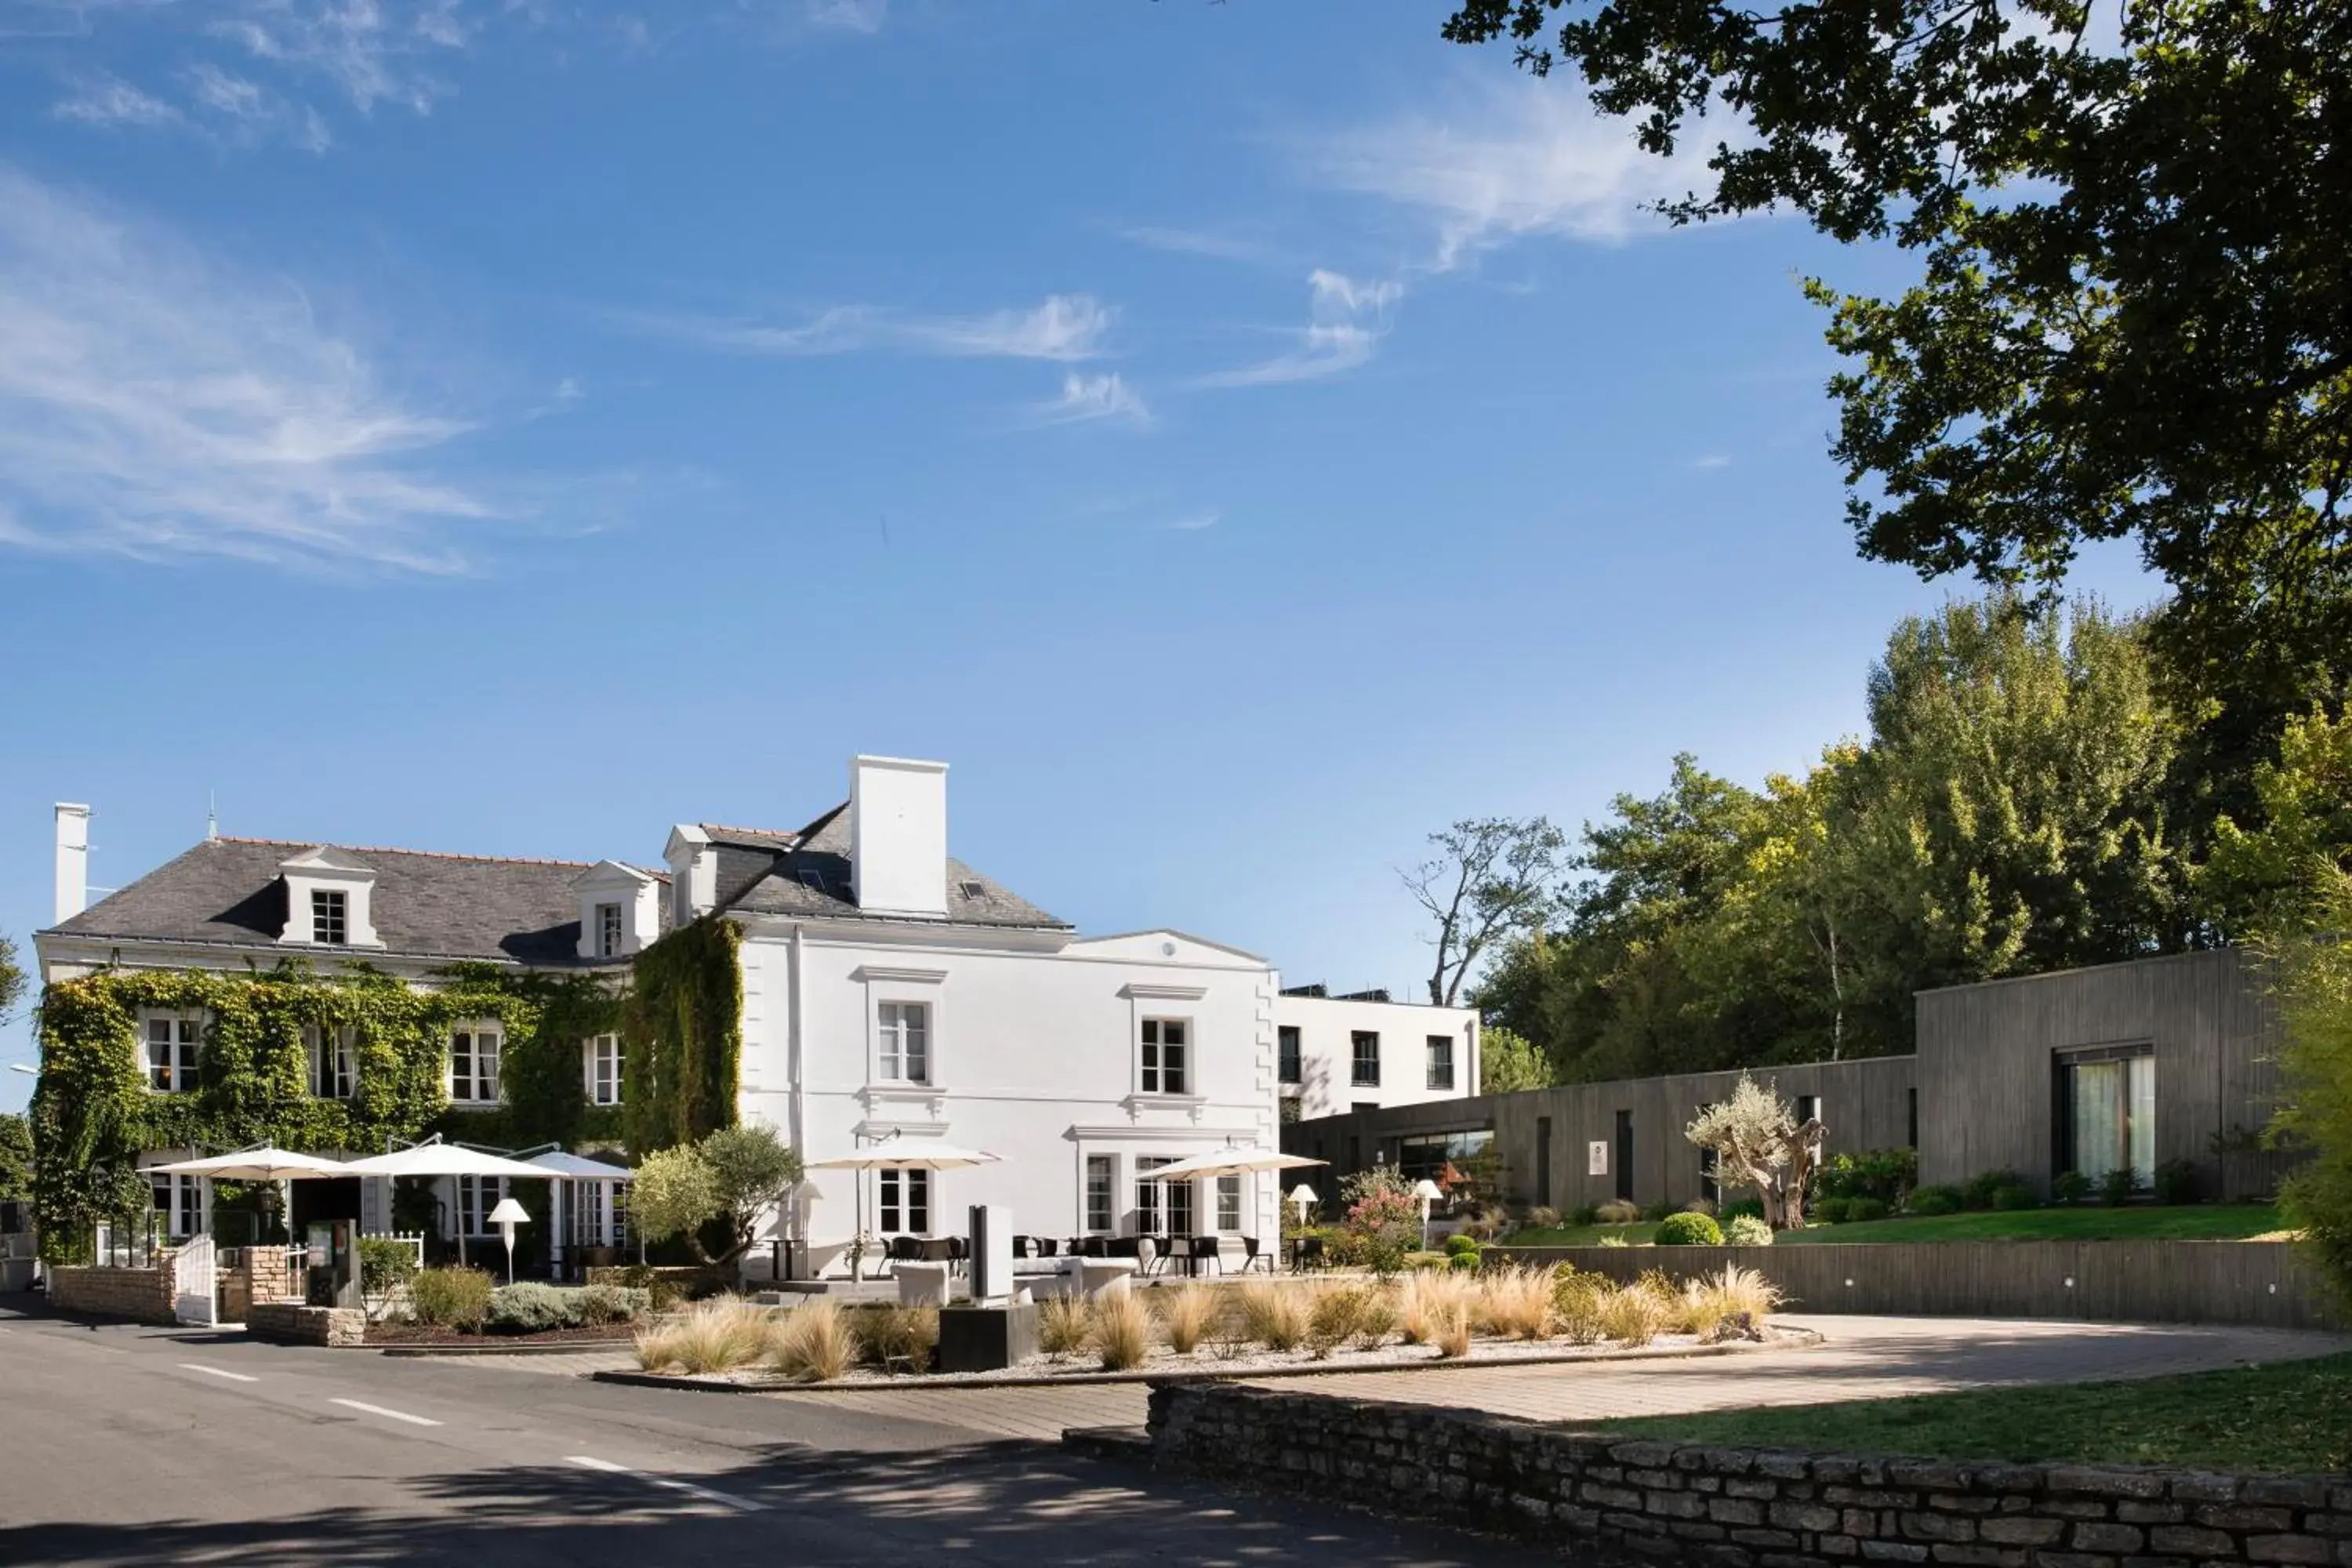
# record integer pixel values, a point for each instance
(1346, 320)
(1065, 327)
(243, 111)
(1087, 398)
(847, 15)
(1215, 244)
(103, 98)
(1508, 159)
(156, 404)
(1193, 521)
(1712, 460)
(373, 51)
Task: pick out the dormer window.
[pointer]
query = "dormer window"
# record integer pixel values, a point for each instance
(611, 929)
(620, 910)
(329, 917)
(328, 897)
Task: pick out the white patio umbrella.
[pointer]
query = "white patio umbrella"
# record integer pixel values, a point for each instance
(435, 1158)
(1232, 1163)
(266, 1164)
(899, 1152)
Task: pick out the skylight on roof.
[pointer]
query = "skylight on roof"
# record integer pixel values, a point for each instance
(974, 889)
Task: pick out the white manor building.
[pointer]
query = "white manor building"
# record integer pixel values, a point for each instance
(889, 991)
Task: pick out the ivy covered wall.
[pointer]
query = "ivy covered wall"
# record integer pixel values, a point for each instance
(94, 1113)
(683, 1028)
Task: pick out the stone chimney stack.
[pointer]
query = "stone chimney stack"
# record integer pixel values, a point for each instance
(898, 835)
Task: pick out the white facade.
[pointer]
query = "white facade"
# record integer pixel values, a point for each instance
(1350, 1055)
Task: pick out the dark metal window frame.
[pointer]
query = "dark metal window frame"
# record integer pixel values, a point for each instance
(2062, 1090)
(1358, 1059)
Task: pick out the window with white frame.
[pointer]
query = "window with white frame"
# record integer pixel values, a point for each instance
(603, 1069)
(598, 1214)
(609, 931)
(906, 1202)
(477, 1196)
(1163, 1055)
(1101, 1218)
(173, 1040)
(179, 1205)
(902, 1037)
(1150, 1217)
(329, 917)
(474, 1064)
(1229, 1204)
(620, 1214)
(329, 1051)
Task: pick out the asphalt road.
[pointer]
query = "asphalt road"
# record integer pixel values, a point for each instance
(125, 1445)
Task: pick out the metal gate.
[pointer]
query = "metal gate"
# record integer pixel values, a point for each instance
(194, 1282)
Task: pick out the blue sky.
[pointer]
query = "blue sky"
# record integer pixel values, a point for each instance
(1239, 437)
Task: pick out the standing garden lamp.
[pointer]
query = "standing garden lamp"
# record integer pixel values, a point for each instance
(1428, 1192)
(506, 1217)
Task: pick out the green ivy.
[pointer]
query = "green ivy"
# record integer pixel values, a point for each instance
(93, 1113)
(684, 1032)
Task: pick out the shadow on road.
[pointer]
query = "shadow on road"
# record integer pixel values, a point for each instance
(1012, 1504)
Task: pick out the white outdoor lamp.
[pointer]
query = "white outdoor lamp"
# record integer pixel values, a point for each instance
(1428, 1191)
(506, 1217)
(1302, 1197)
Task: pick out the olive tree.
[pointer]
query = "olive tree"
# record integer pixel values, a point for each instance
(1758, 1143)
(733, 1176)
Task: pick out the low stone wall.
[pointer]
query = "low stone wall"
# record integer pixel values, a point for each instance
(141, 1295)
(1738, 1508)
(2258, 1282)
(290, 1322)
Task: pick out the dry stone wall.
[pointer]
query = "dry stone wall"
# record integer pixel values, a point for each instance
(294, 1323)
(1739, 1508)
(141, 1295)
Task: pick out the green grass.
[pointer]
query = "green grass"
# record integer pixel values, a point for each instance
(2192, 1222)
(2289, 1416)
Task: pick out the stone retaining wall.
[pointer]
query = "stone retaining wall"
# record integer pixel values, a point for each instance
(1738, 1508)
(141, 1295)
(293, 1324)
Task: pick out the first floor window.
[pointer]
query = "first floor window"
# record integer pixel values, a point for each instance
(179, 1205)
(604, 1069)
(1229, 1204)
(474, 1064)
(1441, 1062)
(1164, 1056)
(1365, 1059)
(1099, 1217)
(1287, 1065)
(173, 1040)
(329, 1050)
(902, 1036)
(477, 1196)
(330, 911)
(2107, 1109)
(906, 1202)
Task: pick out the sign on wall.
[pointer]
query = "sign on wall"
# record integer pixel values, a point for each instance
(1596, 1157)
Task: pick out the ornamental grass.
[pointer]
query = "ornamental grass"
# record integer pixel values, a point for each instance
(1185, 1313)
(813, 1344)
(1121, 1329)
(902, 1337)
(1359, 1314)
(1514, 1303)
(1635, 1314)
(1579, 1302)
(1274, 1314)
(1450, 1333)
(1062, 1325)
(1736, 1290)
(713, 1336)
(1426, 1301)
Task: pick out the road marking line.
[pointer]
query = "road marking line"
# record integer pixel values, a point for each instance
(380, 1410)
(217, 1372)
(740, 1504)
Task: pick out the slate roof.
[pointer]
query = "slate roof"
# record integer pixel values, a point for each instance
(807, 873)
(229, 892)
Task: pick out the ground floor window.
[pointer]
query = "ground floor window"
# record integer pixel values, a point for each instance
(1154, 1216)
(1229, 1204)
(2106, 1110)
(179, 1205)
(600, 1214)
(906, 1202)
(477, 1196)
(1100, 1220)
(1427, 1155)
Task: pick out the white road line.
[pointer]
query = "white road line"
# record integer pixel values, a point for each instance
(380, 1410)
(217, 1372)
(740, 1504)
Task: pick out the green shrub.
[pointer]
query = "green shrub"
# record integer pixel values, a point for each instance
(385, 1264)
(602, 1304)
(1832, 1211)
(1585, 1213)
(1686, 1230)
(1861, 1211)
(1979, 1192)
(531, 1308)
(1882, 1174)
(2179, 1182)
(1934, 1201)
(1428, 1261)
(1617, 1211)
(1658, 1211)
(1747, 1230)
(2118, 1185)
(1465, 1261)
(450, 1299)
(1458, 1244)
(2069, 1187)
(1753, 1208)
(2015, 1196)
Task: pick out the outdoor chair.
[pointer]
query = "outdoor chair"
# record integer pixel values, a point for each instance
(1020, 1245)
(1176, 1249)
(1046, 1246)
(1252, 1256)
(1206, 1249)
(1307, 1254)
(904, 1249)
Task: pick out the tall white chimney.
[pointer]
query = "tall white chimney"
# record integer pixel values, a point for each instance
(73, 861)
(898, 835)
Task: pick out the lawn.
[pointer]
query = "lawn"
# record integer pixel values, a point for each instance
(2290, 1416)
(2189, 1222)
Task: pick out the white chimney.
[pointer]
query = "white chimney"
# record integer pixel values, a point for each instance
(73, 861)
(693, 872)
(898, 835)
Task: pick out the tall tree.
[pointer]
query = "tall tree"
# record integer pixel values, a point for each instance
(1493, 878)
(12, 979)
(2133, 315)
(2275, 879)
